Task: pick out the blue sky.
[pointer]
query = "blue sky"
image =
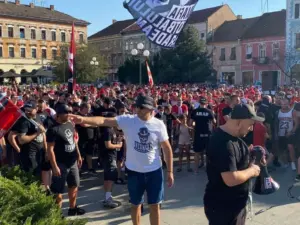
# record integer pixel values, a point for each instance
(101, 12)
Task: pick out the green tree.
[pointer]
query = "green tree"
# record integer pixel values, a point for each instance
(187, 62)
(85, 72)
(129, 71)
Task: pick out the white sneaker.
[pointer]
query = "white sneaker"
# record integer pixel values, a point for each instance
(177, 151)
(293, 166)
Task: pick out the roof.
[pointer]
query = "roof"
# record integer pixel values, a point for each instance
(9, 74)
(11, 10)
(202, 15)
(232, 30)
(113, 29)
(269, 24)
(130, 26)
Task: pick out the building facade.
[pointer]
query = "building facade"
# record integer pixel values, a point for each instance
(292, 55)
(263, 51)
(225, 48)
(31, 36)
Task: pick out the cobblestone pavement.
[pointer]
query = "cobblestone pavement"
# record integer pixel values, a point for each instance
(184, 203)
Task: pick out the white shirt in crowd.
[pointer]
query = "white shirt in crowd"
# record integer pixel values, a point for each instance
(143, 140)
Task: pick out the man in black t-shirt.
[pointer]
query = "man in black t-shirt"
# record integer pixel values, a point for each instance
(228, 169)
(31, 139)
(86, 140)
(65, 159)
(110, 145)
(202, 119)
(169, 119)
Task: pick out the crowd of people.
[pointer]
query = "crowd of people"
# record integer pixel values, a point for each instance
(73, 129)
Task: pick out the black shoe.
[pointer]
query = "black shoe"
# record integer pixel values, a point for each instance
(201, 165)
(297, 179)
(76, 211)
(92, 172)
(276, 163)
(120, 181)
(48, 192)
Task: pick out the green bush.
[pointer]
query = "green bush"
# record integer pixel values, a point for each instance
(23, 202)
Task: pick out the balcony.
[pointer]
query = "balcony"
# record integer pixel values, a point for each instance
(260, 60)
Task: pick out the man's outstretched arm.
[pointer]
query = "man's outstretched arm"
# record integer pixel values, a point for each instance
(94, 121)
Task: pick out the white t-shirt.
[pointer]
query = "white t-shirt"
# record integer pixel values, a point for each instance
(143, 140)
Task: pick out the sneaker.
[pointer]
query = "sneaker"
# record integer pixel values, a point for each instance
(120, 181)
(110, 203)
(76, 211)
(192, 152)
(177, 151)
(92, 172)
(297, 179)
(293, 166)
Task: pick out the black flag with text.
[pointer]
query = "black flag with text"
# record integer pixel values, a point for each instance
(161, 20)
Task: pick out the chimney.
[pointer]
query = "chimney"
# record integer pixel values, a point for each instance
(31, 5)
(239, 17)
(114, 21)
(52, 7)
(17, 2)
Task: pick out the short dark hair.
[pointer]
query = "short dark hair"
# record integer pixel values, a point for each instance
(84, 105)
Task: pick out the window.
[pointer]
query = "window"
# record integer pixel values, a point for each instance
(126, 45)
(131, 45)
(222, 56)
(202, 35)
(23, 52)
(0, 31)
(53, 35)
(275, 50)
(43, 35)
(81, 38)
(63, 37)
(44, 53)
(297, 46)
(33, 53)
(33, 34)
(262, 50)
(54, 53)
(10, 32)
(249, 52)
(22, 32)
(11, 52)
(297, 11)
(233, 54)
(1, 52)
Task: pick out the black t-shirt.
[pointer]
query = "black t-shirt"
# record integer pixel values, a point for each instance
(101, 111)
(25, 127)
(86, 134)
(108, 134)
(202, 118)
(51, 103)
(225, 154)
(163, 102)
(226, 111)
(63, 137)
(169, 121)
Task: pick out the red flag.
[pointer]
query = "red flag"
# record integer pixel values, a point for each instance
(9, 114)
(151, 83)
(71, 60)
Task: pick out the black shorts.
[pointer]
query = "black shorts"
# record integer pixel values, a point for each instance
(86, 148)
(283, 142)
(226, 216)
(46, 166)
(200, 144)
(110, 169)
(31, 162)
(69, 174)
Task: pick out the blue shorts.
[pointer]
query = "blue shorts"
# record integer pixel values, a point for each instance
(151, 182)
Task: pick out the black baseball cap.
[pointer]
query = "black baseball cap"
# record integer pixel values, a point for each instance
(203, 100)
(245, 111)
(63, 109)
(143, 101)
(30, 105)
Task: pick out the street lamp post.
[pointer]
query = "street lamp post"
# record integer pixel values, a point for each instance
(94, 62)
(140, 52)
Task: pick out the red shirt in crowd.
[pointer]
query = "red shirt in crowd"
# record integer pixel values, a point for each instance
(220, 115)
(259, 134)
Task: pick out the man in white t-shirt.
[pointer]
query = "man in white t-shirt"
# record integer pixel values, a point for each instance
(145, 135)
